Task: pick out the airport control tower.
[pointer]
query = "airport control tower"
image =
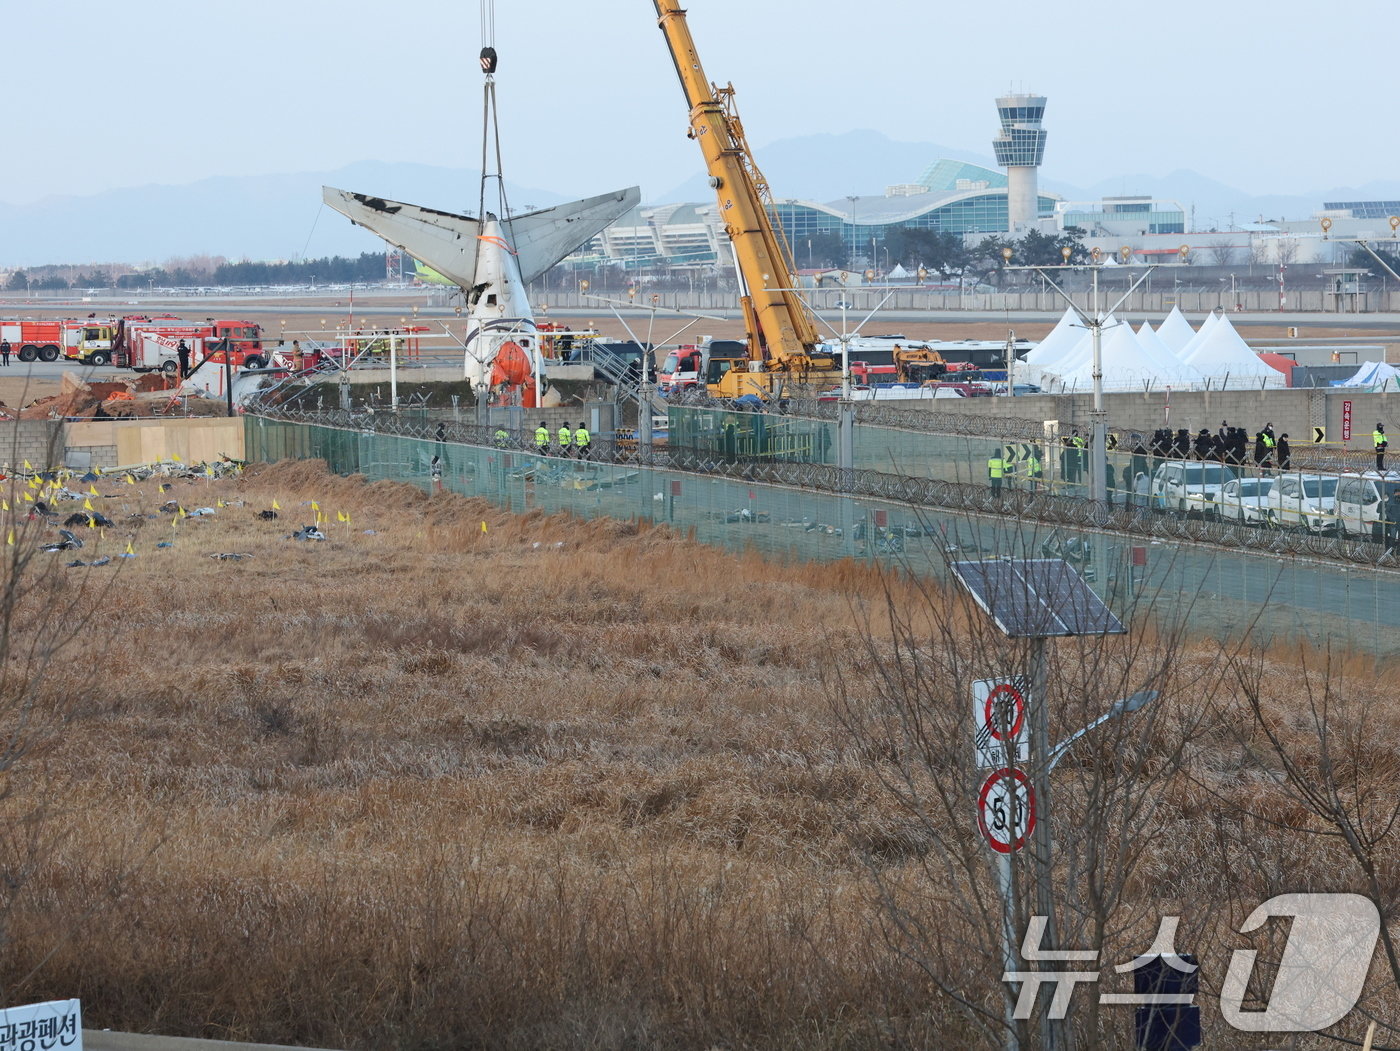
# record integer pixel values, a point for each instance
(1020, 148)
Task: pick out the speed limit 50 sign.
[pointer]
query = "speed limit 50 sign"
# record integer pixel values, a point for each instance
(1006, 810)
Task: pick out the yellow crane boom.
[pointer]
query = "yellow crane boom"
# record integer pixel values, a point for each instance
(782, 333)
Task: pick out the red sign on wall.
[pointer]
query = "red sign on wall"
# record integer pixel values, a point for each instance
(1346, 421)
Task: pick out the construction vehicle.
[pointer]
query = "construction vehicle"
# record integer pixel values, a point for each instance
(33, 340)
(146, 344)
(918, 364)
(781, 336)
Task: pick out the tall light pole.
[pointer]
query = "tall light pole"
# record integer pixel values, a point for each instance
(1095, 322)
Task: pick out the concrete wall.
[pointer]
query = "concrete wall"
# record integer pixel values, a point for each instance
(1294, 412)
(1154, 304)
(38, 441)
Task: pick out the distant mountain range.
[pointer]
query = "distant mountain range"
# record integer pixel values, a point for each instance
(256, 217)
(281, 216)
(827, 168)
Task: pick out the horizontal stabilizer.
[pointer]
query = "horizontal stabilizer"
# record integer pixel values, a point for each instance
(449, 243)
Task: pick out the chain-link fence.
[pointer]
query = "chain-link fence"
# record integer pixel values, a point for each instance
(1220, 576)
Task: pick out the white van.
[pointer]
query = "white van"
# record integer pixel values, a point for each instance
(1188, 485)
(1364, 503)
(1306, 501)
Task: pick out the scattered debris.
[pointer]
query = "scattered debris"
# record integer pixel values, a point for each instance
(201, 512)
(68, 543)
(310, 532)
(103, 561)
(93, 519)
(232, 556)
(170, 507)
(165, 543)
(268, 516)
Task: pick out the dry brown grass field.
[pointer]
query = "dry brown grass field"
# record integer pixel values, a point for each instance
(554, 783)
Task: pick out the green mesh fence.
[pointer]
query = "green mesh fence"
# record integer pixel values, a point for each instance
(1217, 593)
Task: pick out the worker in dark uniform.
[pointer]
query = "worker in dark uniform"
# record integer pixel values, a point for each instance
(1284, 452)
(183, 353)
(5, 352)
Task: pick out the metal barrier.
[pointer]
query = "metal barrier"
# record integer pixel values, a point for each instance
(1219, 577)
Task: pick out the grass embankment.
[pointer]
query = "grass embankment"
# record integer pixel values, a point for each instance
(552, 784)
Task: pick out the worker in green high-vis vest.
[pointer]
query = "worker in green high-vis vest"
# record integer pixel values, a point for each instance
(996, 470)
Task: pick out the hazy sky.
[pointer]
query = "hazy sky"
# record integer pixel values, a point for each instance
(1277, 97)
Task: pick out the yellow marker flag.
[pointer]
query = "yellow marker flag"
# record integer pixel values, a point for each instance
(4, 505)
(92, 491)
(340, 516)
(130, 480)
(11, 540)
(219, 503)
(483, 527)
(92, 522)
(176, 457)
(182, 512)
(275, 505)
(315, 506)
(347, 517)
(87, 505)
(128, 548)
(29, 497)
(34, 483)
(27, 466)
(97, 471)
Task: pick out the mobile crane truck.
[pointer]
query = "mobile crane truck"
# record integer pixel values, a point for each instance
(781, 337)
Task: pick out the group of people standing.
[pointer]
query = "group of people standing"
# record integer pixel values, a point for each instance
(568, 441)
(1228, 445)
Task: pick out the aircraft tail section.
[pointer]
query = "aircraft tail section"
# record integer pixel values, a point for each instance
(449, 243)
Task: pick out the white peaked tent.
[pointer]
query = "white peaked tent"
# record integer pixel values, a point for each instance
(1175, 331)
(1083, 352)
(1212, 319)
(1059, 341)
(1225, 361)
(1372, 374)
(1174, 371)
(898, 273)
(1126, 366)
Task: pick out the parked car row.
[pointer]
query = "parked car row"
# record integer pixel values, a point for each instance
(1365, 504)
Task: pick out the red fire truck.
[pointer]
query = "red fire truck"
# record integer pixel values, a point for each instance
(33, 340)
(147, 344)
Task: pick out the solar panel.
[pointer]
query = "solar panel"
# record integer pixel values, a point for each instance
(1035, 598)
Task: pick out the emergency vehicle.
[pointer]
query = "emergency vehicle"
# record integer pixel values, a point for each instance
(33, 340)
(148, 344)
(83, 339)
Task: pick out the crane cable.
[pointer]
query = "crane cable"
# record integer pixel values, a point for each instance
(490, 126)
